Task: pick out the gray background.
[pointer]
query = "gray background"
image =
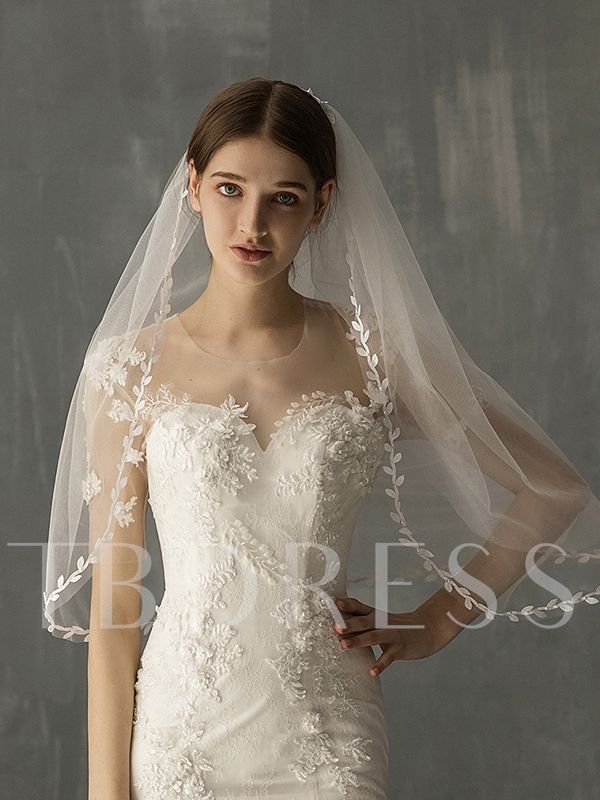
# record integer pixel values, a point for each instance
(482, 119)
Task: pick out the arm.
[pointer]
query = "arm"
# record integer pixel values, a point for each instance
(548, 514)
(113, 653)
(439, 619)
(544, 508)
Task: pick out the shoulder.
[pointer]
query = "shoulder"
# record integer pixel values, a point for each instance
(336, 313)
(356, 323)
(110, 360)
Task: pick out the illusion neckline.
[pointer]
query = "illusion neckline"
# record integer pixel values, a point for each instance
(284, 357)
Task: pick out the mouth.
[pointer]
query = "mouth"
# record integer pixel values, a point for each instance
(250, 255)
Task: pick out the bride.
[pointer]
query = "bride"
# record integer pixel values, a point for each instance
(273, 379)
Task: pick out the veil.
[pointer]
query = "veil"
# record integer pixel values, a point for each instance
(463, 469)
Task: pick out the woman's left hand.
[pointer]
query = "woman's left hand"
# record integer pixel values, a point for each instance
(434, 633)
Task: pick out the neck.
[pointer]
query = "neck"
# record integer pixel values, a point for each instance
(236, 309)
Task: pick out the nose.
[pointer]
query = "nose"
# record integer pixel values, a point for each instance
(252, 223)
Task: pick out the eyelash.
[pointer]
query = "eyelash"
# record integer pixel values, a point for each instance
(289, 194)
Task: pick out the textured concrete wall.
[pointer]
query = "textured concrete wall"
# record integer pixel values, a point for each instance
(482, 118)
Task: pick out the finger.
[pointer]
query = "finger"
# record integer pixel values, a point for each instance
(363, 639)
(355, 624)
(382, 663)
(353, 606)
(380, 636)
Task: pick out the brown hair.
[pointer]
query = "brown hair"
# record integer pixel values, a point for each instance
(283, 113)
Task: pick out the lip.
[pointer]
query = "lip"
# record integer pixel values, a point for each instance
(249, 254)
(252, 247)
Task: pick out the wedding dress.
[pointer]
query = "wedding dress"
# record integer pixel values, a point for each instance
(243, 690)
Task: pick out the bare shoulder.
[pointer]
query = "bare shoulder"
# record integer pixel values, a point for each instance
(339, 314)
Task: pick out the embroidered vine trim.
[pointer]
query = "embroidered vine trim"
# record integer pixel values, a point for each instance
(135, 428)
(407, 539)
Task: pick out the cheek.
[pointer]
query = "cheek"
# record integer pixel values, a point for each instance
(292, 224)
(218, 218)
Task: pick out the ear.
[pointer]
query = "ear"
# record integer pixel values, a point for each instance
(323, 200)
(194, 186)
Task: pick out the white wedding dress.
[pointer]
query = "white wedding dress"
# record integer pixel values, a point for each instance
(243, 691)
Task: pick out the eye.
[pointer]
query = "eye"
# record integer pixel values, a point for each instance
(227, 184)
(293, 198)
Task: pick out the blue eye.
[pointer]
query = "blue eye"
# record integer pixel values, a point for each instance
(293, 197)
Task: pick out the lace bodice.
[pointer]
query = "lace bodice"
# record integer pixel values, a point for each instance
(202, 457)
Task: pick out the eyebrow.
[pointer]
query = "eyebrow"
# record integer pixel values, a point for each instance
(241, 179)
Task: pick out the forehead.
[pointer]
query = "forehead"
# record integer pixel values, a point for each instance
(259, 160)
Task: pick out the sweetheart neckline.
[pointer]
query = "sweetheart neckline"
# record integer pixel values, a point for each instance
(346, 399)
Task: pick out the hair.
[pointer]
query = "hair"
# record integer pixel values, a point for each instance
(281, 112)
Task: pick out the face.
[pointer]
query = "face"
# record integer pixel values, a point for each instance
(263, 196)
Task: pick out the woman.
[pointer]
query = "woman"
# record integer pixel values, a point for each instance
(256, 419)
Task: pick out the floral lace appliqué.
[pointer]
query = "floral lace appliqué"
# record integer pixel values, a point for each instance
(91, 486)
(175, 765)
(106, 365)
(310, 657)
